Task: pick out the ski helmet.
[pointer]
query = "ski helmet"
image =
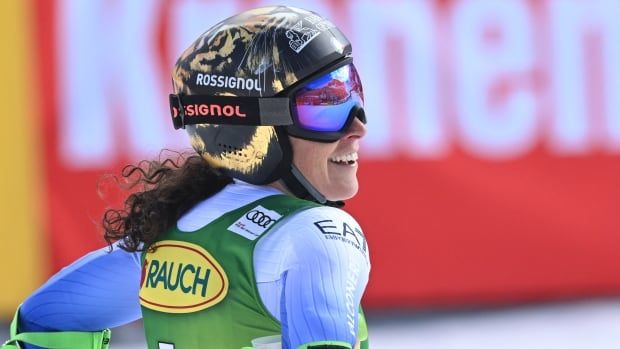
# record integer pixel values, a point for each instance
(265, 53)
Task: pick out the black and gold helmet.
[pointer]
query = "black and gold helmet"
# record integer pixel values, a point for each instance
(263, 52)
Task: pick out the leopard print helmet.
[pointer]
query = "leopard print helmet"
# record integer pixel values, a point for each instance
(257, 53)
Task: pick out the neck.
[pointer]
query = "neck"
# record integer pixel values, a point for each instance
(281, 187)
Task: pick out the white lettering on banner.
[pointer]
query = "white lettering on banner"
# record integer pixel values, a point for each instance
(464, 75)
(86, 135)
(494, 122)
(572, 127)
(109, 83)
(134, 25)
(423, 133)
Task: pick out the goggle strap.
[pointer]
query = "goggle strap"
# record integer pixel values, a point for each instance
(229, 110)
(275, 111)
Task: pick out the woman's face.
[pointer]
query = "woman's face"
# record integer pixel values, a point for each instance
(331, 167)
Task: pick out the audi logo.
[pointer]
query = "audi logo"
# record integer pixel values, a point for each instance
(259, 218)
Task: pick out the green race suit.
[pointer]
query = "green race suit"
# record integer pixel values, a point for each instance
(198, 289)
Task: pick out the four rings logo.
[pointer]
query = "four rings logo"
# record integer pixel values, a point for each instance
(259, 218)
(254, 222)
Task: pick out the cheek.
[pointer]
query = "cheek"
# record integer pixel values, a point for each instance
(312, 157)
(320, 164)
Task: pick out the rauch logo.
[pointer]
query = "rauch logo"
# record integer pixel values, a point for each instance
(180, 277)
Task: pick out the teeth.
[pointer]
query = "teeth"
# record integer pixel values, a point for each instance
(347, 158)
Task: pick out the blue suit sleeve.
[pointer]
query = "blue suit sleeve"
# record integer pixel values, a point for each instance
(98, 291)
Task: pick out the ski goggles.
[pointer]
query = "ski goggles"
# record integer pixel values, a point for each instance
(318, 108)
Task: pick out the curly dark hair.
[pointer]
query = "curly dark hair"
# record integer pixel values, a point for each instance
(162, 192)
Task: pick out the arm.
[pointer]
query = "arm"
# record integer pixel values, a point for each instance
(98, 291)
(327, 274)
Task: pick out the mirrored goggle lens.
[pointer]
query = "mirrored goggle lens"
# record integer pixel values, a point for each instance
(324, 104)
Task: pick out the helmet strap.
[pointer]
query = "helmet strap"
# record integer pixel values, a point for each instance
(292, 177)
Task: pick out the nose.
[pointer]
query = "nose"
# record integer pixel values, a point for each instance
(356, 130)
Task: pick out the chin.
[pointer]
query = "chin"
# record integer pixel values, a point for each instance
(342, 194)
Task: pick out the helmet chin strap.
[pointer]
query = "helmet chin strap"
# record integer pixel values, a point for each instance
(303, 189)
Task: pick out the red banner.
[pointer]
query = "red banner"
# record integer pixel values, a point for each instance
(490, 170)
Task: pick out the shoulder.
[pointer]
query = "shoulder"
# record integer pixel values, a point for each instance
(326, 230)
(226, 200)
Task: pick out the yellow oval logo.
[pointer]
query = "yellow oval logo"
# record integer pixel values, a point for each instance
(179, 277)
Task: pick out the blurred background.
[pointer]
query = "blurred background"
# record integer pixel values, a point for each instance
(490, 175)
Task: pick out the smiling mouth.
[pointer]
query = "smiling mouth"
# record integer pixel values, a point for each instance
(347, 159)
